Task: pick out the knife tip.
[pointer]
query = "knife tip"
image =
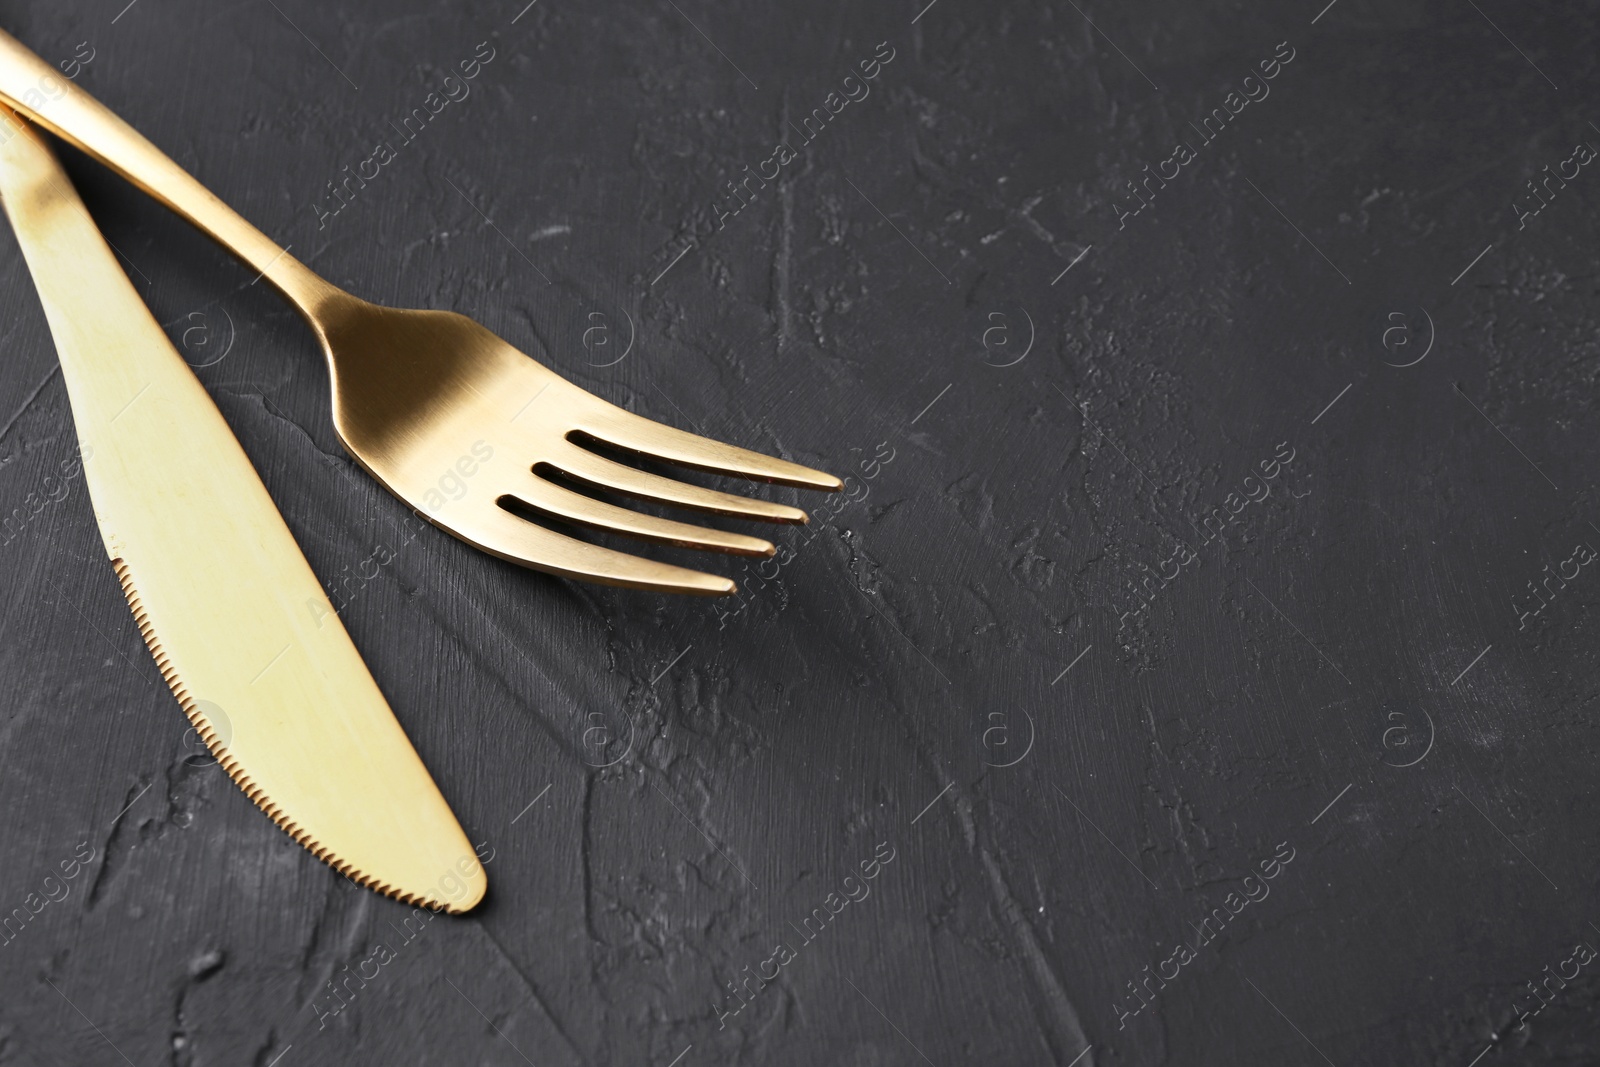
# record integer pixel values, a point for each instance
(455, 895)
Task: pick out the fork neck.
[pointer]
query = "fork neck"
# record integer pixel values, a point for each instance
(305, 288)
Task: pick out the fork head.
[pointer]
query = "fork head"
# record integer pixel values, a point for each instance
(465, 428)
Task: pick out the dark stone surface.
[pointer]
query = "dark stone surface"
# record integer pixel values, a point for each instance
(701, 778)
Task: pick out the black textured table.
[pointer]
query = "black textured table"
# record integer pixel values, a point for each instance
(1199, 669)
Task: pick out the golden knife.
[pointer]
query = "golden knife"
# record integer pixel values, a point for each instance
(238, 624)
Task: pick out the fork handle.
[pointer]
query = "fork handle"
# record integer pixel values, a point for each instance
(34, 88)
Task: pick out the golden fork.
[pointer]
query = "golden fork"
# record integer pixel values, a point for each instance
(446, 415)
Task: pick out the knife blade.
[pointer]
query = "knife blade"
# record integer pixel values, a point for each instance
(238, 624)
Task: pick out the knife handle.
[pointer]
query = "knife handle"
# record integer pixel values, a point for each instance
(34, 88)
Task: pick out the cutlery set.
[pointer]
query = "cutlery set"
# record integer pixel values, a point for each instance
(238, 624)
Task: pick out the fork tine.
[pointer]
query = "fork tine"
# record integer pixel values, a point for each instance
(627, 430)
(560, 502)
(619, 477)
(519, 541)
